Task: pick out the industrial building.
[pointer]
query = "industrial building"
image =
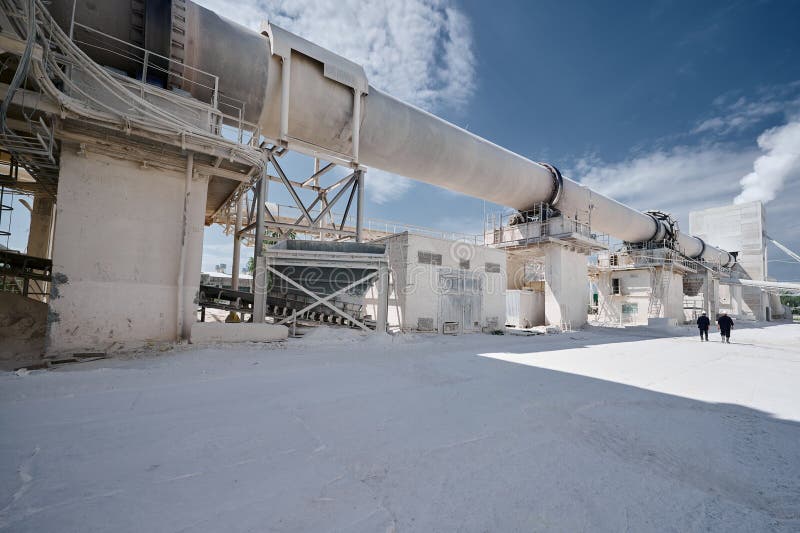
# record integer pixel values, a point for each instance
(134, 131)
(444, 286)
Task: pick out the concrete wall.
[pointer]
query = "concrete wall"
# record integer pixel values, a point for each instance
(566, 295)
(631, 307)
(414, 287)
(524, 308)
(116, 253)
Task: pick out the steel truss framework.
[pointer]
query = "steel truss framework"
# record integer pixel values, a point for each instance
(315, 217)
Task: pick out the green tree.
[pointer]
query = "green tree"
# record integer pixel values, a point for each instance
(270, 238)
(790, 301)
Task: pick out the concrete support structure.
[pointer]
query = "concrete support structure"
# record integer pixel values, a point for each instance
(193, 235)
(566, 295)
(259, 274)
(382, 293)
(711, 295)
(39, 238)
(115, 266)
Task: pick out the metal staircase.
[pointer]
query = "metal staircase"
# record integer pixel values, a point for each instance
(662, 278)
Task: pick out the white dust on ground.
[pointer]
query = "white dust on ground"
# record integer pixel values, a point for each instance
(592, 430)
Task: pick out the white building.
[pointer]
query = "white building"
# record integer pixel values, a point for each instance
(444, 286)
(633, 288)
(738, 228)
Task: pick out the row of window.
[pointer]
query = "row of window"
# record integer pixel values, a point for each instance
(430, 258)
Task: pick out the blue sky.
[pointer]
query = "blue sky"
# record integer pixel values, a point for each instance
(658, 104)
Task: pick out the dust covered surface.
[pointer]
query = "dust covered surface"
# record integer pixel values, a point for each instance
(597, 430)
(23, 325)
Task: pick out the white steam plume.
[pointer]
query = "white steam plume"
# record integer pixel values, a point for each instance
(779, 163)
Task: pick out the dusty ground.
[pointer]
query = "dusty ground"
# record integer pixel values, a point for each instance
(588, 431)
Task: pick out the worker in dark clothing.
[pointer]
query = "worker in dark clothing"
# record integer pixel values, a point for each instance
(702, 324)
(725, 324)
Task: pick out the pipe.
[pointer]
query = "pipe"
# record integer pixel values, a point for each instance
(296, 90)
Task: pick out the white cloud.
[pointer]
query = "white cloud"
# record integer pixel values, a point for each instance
(779, 163)
(685, 179)
(417, 50)
(382, 187)
(677, 181)
(739, 114)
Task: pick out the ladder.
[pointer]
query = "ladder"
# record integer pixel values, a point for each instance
(662, 277)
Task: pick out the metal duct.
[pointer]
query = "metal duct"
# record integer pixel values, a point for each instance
(392, 135)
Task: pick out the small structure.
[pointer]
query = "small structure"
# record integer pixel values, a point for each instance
(635, 286)
(444, 286)
(547, 253)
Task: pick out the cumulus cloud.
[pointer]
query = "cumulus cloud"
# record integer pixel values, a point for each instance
(678, 180)
(780, 162)
(732, 114)
(686, 178)
(420, 51)
(417, 50)
(382, 187)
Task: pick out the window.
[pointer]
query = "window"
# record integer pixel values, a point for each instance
(463, 264)
(615, 286)
(630, 309)
(429, 258)
(613, 260)
(492, 268)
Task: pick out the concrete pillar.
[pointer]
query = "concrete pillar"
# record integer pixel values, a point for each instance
(259, 274)
(193, 264)
(116, 253)
(711, 295)
(736, 300)
(566, 296)
(383, 299)
(41, 226)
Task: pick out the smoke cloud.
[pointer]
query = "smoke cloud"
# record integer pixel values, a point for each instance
(779, 163)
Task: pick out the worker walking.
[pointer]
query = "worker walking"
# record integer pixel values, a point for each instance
(702, 324)
(725, 324)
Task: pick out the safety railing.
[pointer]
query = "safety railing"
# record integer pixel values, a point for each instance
(181, 84)
(373, 228)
